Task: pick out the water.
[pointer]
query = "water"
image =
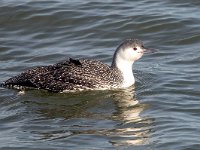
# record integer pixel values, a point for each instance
(161, 112)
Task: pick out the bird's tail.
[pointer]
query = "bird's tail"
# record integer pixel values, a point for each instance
(5, 85)
(2, 84)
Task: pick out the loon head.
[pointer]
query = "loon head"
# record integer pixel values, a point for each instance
(125, 55)
(129, 50)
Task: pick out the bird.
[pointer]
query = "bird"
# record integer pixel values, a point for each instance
(83, 74)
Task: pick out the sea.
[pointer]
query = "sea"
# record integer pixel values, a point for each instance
(160, 112)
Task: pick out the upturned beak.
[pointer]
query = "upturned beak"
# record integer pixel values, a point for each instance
(148, 50)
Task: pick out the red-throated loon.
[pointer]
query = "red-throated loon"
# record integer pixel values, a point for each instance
(82, 74)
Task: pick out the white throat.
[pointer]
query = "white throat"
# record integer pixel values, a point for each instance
(125, 67)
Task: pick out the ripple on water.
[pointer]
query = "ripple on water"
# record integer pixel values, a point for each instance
(161, 112)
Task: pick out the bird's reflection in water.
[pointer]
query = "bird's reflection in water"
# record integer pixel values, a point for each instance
(133, 129)
(115, 115)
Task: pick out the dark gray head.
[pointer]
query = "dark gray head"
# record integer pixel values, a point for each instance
(133, 43)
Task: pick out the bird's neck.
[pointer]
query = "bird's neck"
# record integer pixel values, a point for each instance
(126, 69)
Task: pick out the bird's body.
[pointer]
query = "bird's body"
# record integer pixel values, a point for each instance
(74, 74)
(70, 75)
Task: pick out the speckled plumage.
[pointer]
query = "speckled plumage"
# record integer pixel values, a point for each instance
(74, 74)
(69, 75)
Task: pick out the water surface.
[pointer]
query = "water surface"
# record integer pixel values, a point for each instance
(161, 112)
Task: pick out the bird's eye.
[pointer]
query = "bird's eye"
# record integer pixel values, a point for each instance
(135, 48)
